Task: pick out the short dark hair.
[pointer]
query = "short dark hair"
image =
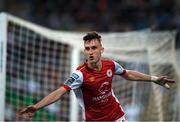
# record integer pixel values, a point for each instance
(92, 35)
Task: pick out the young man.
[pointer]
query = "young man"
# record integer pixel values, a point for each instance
(92, 84)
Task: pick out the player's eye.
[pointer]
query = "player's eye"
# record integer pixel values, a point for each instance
(87, 48)
(93, 47)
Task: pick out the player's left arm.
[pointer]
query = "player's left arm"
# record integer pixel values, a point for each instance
(138, 76)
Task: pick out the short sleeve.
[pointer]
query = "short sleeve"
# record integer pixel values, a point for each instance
(74, 81)
(119, 70)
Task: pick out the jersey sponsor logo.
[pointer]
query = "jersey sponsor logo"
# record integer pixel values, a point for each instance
(75, 76)
(109, 72)
(102, 98)
(91, 79)
(105, 92)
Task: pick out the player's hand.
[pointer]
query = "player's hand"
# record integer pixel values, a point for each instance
(28, 112)
(164, 81)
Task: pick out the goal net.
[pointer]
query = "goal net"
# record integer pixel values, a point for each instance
(35, 61)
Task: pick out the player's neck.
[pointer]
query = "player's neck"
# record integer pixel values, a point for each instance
(95, 65)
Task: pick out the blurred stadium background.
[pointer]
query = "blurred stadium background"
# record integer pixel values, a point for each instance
(40, 45)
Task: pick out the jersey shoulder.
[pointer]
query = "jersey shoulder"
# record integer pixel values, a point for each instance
(81, 66)
(108, 61)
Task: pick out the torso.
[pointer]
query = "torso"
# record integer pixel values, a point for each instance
(98, 97)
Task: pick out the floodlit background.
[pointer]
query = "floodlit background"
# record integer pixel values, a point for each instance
(100, 15)
(39, 60)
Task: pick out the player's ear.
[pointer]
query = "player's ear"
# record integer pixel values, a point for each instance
(102, 49)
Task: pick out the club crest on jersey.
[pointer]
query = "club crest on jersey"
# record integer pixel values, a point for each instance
(109, 72)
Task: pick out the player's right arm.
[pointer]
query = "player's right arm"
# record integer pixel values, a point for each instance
(29, 111)
(73, 82)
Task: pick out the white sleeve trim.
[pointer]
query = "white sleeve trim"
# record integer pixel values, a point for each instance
(118, 68)
(75, 80)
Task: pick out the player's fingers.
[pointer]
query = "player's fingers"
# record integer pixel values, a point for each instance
(26, 116)
(25, 110)
(30, 115)
(22, 111)
(169, 80)
(167, 86)
(165, 79)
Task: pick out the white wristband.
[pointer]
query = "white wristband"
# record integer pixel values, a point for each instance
(154, 78)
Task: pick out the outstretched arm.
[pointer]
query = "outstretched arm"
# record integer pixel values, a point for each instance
(138, 76)
(51, 98)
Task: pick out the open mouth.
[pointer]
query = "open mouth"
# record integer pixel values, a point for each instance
(91, 57)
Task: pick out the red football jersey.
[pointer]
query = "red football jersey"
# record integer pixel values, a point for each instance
(94, 92)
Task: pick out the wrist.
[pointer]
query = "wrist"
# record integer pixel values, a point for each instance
(35, 106)
(154, 78)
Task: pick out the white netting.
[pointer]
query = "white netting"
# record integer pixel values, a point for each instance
(153, 53)
(39, 60)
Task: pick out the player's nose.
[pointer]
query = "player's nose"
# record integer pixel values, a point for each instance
(90, 52)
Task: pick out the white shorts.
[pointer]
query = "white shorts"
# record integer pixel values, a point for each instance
(122, 119)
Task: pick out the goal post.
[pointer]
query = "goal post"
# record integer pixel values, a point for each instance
(39, 60)
(3, 42)
(73, 101)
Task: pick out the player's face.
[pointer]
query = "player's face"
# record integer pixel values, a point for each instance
(93, 50)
